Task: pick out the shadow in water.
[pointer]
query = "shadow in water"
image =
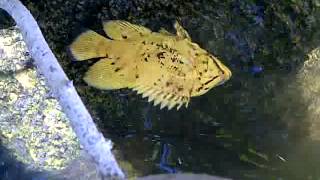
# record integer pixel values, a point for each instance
(11, 169)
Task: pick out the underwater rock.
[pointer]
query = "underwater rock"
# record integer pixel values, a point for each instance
(32, 125)
(13, 53)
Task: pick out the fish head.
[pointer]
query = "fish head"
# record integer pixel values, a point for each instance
(209, 72)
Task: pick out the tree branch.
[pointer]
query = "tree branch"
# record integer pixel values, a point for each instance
(90, 138)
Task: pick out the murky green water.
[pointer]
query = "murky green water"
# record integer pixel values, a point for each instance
(255, 126)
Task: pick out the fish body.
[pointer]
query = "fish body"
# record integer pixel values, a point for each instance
(167, 68)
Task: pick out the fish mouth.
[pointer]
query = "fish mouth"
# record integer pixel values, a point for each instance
(227, 74)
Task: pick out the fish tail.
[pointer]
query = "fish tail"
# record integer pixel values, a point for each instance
(88, 45)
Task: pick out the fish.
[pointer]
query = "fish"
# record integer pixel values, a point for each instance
(167, 68)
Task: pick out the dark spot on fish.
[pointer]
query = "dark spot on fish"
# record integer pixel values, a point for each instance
(206, 88)
(112, 63)
(143, 42)
(168, 83)
(107, 56)
(159, 79)
(155, 84)
(146, 59)
(204, 62)
(160, 55)
(148, 55)
(117, 69)
(180, 89)
(121, 74)
(196, 54)
(137, 76)
(152, 43)
(211, 80)
(217, 64)
(118, 58)
(200, 73)
(181, 62)
(199, 89)
(124, 36)
(206, 70)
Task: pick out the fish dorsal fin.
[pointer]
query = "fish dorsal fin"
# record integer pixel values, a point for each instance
(121, 30)
(109, 74)
(181, 32)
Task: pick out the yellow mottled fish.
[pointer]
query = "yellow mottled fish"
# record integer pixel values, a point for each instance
(167, 68)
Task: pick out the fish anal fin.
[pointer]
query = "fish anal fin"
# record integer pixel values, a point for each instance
(88, 45)
(106, 74)
(121, 30)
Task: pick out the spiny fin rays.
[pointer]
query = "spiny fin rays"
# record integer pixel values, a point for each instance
(164, 99)
(122, 30)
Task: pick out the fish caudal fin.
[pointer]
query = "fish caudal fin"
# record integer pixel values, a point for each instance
(108, 74)
(89, 45)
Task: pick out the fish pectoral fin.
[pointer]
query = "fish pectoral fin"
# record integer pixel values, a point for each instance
(88, 45)
(108, 74)
(181, 32)
(121, 30)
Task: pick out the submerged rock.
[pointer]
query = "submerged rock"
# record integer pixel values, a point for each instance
(32, 125)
